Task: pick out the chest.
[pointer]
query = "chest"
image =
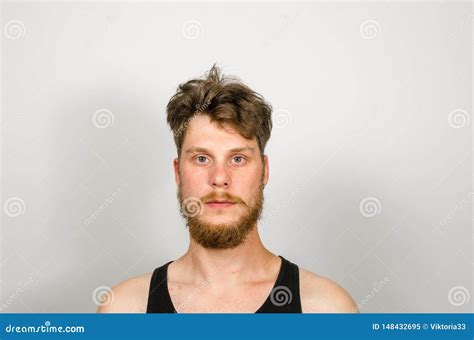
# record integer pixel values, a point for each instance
(206, 298)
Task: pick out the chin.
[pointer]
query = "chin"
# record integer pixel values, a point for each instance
(223, 223)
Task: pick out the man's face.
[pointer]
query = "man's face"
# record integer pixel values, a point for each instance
(219, 164)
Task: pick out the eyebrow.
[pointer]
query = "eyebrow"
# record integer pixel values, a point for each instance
(204, 150)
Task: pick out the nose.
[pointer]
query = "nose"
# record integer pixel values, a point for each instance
(220, 177)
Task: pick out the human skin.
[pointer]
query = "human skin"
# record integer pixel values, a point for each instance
(237, 279)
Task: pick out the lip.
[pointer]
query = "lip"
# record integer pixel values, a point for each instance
(220, 204)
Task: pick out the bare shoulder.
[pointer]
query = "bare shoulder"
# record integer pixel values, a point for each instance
(129, 296)
(322, 295)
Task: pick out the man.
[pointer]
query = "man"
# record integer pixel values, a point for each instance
(220, 129)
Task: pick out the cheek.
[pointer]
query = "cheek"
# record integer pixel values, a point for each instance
(246, 187)
(192, 181)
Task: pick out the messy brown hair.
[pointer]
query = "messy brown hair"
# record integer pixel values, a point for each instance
(226, 100)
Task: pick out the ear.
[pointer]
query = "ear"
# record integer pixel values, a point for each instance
(176, 171)
(266, 174)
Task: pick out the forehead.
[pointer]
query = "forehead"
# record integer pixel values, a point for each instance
(201, 132)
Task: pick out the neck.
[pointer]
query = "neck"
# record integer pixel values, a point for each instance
(228, 266)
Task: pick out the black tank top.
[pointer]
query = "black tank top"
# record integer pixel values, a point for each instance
(284, 297)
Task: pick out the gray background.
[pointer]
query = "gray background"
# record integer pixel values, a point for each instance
(373, 103)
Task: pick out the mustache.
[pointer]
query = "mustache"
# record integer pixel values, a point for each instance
(224, 196)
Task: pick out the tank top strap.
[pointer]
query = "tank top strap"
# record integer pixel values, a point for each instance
(159, 300)
(285, 295)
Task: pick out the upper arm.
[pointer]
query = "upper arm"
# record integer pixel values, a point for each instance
(322, 295)
(129, 296)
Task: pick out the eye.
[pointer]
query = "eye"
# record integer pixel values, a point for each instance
(200, 159)
(240, 159)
